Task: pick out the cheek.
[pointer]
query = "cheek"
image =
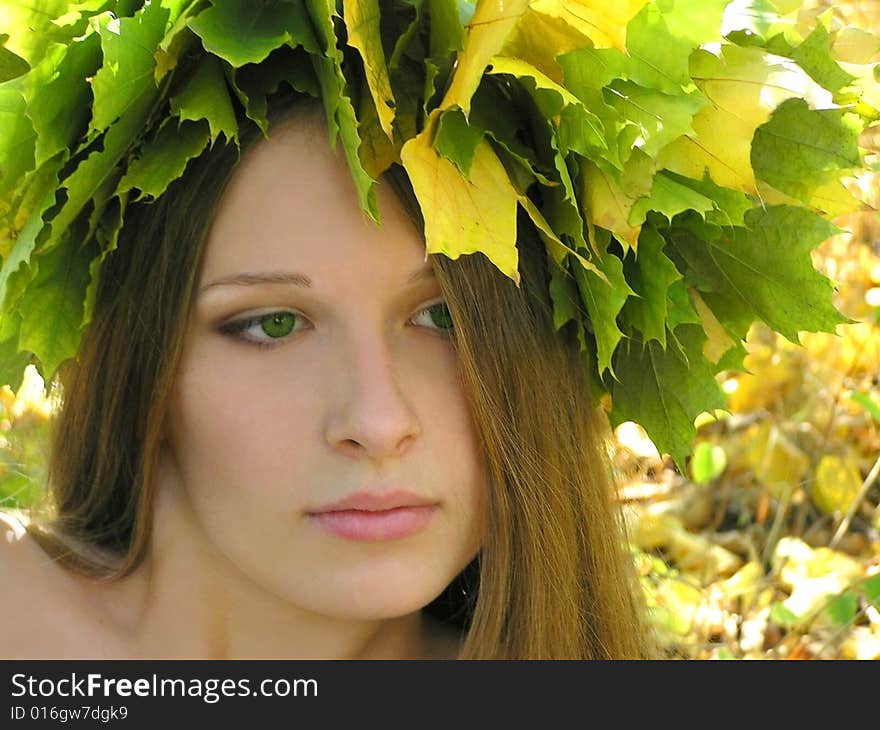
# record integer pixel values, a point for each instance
(232, 432)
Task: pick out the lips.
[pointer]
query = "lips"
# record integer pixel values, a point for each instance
(374, 516)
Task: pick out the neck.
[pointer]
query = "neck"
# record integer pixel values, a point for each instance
(186, 600)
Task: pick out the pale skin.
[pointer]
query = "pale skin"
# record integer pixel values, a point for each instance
(362, 394)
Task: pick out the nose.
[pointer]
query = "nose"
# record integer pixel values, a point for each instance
(370, 416)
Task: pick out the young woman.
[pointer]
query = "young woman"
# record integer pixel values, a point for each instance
(290, 434)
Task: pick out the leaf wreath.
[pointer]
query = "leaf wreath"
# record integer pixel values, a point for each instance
(680, 160)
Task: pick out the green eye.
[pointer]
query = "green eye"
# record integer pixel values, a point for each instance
(440, 316)
(279, 324)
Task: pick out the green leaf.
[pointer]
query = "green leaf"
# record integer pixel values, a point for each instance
(814, 56)
(592, 69)
(254, 83)
(240, 32)
(650, 273)
(446, 39)
(52, 305)
(17, 139)
(92, 173)
(865, 401)
(164, 158)
(579, 129)
(564, 295)
(11, 65)
(661, 38)
(107, 236)
(665, 390)
(12, 361)
(179, 40)
(59, 104)
(21, 252)
(730, 206)
(456, 140)
(843, 608)
(799, 149)
(783, 616)
(708, 462)
(586, 72)
(670, 198)
(681, 309)
(660, 118)
(604, 300)
(205, 96)
(129, 46)
(340, 115)
(871, 588)
(28, 27)
(764, 268)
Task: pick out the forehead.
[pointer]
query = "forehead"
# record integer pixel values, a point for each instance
(291, 203)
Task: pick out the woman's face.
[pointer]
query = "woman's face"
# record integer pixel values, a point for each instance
(318, 423)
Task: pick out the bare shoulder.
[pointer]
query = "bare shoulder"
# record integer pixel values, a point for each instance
(34, 589)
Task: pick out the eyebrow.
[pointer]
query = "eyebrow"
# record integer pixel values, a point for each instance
(294, 278)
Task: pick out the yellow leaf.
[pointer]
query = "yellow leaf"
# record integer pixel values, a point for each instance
(539, 38)
(490, 26)
(362, 24)
(603, 22)
(832, 199)
(812, 575)
(606, 205)
(717, 340)
(687, 550)
(376, 151)
(464, 215)
(836, 484)
(867, 82)
(854, 45)
(775, 460)
(743, 87)
(745, 583)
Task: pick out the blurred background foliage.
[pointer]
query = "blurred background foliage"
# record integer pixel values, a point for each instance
(769, 545)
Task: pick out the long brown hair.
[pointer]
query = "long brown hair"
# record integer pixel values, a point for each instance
(552, 580)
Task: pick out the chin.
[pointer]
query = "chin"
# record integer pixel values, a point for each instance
(386, 597)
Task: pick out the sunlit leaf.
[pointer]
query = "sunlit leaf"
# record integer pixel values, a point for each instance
(662, 36)
(243, 32)
(362, 22)
(800, 149)
(471, 214)
(743, 87)
(708, 462)
(126, 75)
(836, 484)
(487, 30)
